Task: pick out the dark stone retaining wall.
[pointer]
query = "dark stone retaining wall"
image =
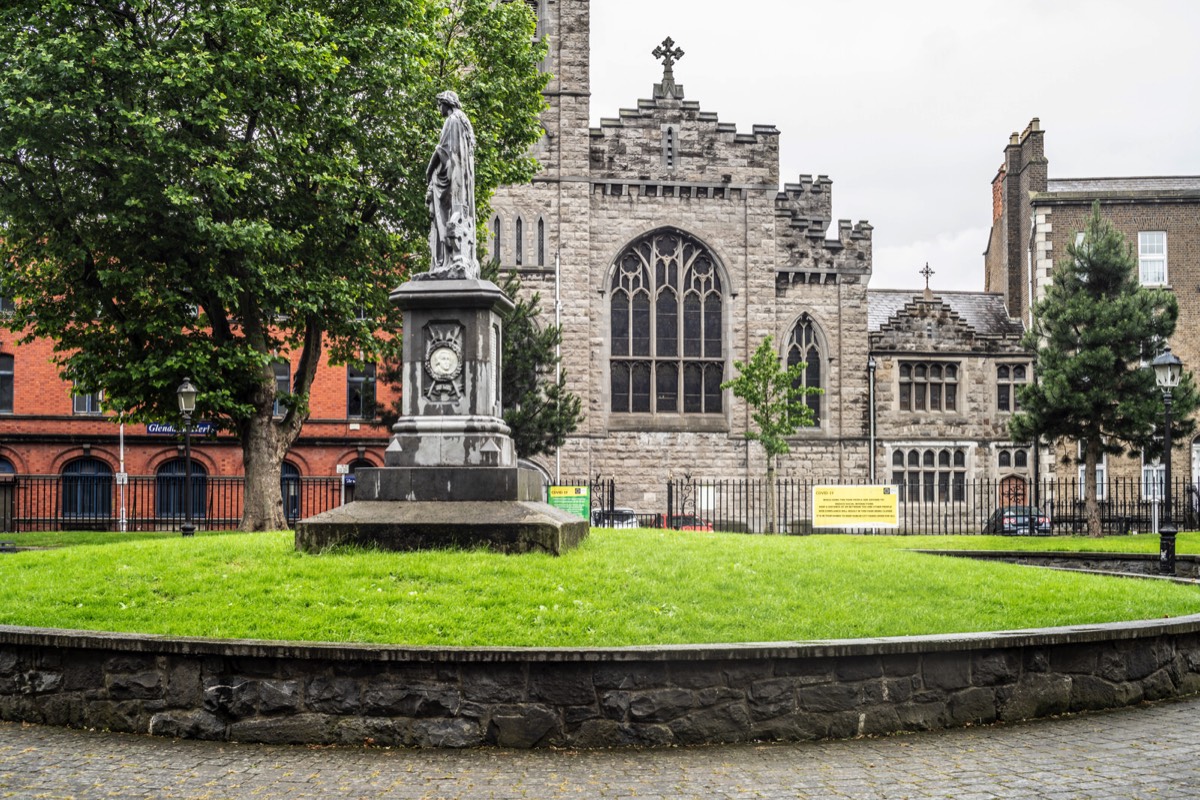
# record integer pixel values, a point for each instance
(1128, 563)
(442, 697)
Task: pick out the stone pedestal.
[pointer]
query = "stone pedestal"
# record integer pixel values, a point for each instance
(450, 477)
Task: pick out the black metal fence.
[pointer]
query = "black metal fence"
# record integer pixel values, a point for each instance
(148, 502)
(951, 507)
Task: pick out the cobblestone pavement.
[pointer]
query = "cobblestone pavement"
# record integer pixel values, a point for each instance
(1151, 752)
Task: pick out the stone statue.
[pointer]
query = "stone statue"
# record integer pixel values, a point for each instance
(451, 195)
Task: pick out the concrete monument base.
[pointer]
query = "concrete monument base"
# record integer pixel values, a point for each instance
(511, 526)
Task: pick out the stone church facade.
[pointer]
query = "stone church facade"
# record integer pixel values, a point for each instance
(679, 247)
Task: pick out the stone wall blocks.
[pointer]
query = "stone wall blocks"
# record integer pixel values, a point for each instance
(373, 732)
(615, 705)
(994, 668)
(127, 716)
(524, 726)
(1092, 693)
(716, 725)
(448, 733)
(794, 727)
(63, 709)
(196, 724)
(830, 698)
(183, 683)
(9, 663)
(1159, 685)
(500, 684)
(808, 671)
(410, 700)
(298, 729)
(661, 705)
(1036, 696)
(38, 682)
(575, 716)
(945, 672)
(879, 720)
(565, 685)
(971, 706)
(136, 686)
(1036, 660)
(128, 664)
(714, 695)
(276, 697)
(621, 676)
(333, 695)
(858, 669)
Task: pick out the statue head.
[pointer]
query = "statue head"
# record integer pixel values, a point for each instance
(448, 99)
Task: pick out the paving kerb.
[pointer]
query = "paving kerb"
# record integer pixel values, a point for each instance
(1130, 754)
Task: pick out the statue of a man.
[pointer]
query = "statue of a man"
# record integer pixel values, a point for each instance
(451, 195)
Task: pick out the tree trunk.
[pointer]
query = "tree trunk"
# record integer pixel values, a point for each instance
(263, 449)
(1091, 457)
(772, 517)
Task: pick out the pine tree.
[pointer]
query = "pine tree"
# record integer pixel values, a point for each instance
(775, 395)
(1094, 333)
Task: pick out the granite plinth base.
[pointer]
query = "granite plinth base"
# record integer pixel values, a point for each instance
(504, 526)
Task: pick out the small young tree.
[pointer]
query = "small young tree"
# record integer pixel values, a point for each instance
(775, 395)
(1094, 334)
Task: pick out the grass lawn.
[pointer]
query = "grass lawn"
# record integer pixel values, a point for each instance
(619, 588)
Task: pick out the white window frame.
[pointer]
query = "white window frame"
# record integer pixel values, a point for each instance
(1150, 258)
(86, 404)
(1154, 477)
(1101, 475)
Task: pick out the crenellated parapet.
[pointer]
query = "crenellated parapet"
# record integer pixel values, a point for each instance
(672, 140)
(803, 214)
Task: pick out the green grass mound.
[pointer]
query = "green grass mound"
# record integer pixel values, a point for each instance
(620, 588)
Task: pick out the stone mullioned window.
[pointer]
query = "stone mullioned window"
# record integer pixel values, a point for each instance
(667, 321)
(930, 474)
(1009, 379)
(928, 386)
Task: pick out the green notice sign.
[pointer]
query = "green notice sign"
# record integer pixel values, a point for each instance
(572, 499)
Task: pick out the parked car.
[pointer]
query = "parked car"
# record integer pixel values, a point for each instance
(1017, 521)
(682, 522)
(616, 518)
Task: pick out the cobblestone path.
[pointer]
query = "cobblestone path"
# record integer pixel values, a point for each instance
(1149, 752)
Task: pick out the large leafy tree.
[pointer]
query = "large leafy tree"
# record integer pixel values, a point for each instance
(775, 395)
(203, 187)
(1094, 333)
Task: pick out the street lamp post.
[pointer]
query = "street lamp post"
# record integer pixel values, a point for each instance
(1168, 370)
(186, 394)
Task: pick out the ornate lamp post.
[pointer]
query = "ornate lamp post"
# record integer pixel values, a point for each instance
(186, 394)
(1168, 370)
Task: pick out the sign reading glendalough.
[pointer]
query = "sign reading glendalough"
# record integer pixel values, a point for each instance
(855, 507)
(451, 477)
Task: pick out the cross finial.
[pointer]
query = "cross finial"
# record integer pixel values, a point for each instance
(668, 53)
(928, 273)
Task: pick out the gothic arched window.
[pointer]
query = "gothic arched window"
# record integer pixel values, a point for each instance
(667, 312)
(804, 347)
(541, 242)
(519, 242)
(496, 238)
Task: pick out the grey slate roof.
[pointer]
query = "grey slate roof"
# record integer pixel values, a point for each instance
(983, 311)
(1088, 185)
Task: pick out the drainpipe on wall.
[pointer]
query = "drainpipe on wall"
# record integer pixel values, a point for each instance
(557, 352)
(871, 416)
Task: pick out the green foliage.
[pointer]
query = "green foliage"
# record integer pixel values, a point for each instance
(538, 408)
(619, 588)
(200, 188)
(775, 396)
(1093, 334)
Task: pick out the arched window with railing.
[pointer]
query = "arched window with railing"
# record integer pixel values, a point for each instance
(289, 487)
(87, 489)
(170, 490)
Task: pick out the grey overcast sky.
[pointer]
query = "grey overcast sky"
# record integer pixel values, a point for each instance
(907, 106)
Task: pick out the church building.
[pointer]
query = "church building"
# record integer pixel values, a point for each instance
(678, 247)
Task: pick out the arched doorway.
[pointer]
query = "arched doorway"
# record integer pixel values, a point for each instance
(1014, 491)
(289, 486)
(87, 493)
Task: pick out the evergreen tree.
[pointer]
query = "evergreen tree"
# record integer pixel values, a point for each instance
(1094, 334)
(775, 395)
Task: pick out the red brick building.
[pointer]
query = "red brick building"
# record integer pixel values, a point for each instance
(1036, 216)
(48, 430)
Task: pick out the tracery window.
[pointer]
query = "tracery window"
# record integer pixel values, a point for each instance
(804, 346)
(930, 474)
(667, 307)
(928, 386)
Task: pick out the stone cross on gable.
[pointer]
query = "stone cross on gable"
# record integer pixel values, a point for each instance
(928, 273)
(668, 53)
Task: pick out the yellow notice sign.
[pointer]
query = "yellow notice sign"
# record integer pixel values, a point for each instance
(856, 507)
(572, 499)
